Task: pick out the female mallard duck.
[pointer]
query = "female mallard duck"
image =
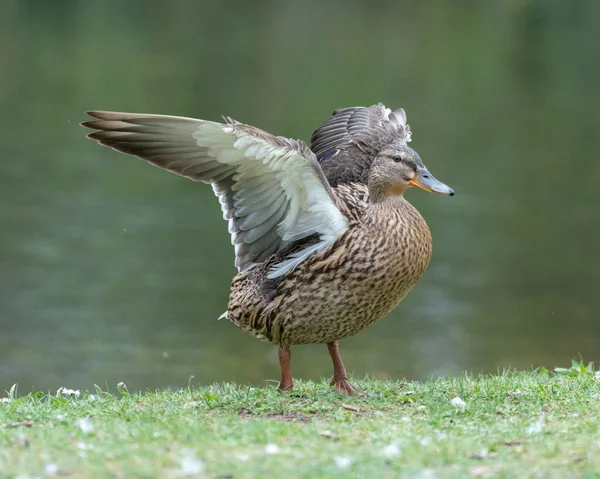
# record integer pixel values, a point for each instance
(323, 249)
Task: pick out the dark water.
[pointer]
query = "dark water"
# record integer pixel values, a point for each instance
(111, 270)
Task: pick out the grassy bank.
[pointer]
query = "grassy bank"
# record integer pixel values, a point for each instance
(511, 425)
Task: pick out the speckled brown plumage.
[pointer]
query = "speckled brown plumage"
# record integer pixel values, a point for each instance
(325, 242)
(341, 290)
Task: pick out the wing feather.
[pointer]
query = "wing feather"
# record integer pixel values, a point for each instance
(358, 134)
(271, 189)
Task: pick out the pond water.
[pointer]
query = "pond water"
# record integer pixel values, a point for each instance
(111, 270)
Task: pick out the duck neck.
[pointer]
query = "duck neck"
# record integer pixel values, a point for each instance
(381, 193)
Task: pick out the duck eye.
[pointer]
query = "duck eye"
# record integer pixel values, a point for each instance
(397, 158)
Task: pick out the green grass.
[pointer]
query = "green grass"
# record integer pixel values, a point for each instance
(516, 424)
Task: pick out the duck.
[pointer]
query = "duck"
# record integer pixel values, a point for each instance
(325, 242)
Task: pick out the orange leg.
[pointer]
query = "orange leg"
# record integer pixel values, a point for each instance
(340, 379)
(285, 383)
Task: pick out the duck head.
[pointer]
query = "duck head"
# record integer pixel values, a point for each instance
(397, 168)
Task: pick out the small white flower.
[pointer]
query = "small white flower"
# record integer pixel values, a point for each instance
(272, 449)
(66, 392)
(458, 403)
(425, 441)
(190, 465)
(85, 425)
(342, 462)
(4, 400)
(482, 454)
(391, 450)
(243, 457)
(405, 419)
(427, 474)
(537, 426)
(122, 385)
(51, 469)
(328, 434)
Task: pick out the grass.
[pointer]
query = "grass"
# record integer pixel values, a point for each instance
(516, 424)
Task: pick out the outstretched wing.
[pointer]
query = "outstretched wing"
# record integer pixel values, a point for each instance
(351, 138)
(272, 189)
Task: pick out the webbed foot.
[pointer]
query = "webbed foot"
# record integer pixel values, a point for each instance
(343, 386)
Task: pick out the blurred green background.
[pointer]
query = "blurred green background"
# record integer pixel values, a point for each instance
(111, 270)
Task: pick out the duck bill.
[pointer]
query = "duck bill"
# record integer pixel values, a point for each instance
(425, 180)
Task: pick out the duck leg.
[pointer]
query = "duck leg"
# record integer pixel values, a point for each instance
(340, 378)
(285, 383)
